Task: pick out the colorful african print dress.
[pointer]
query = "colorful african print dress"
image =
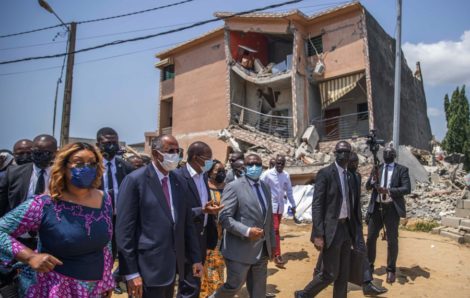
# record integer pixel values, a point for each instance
(77, 235)
(214, 265)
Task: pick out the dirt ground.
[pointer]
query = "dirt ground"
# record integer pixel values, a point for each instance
(428, 266)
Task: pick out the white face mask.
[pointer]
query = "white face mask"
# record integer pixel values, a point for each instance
(170, 161)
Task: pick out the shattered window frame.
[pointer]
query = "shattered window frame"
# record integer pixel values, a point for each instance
(317, 41)
(168, 72)
(361, 109)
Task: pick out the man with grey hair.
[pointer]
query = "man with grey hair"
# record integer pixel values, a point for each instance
(156, 233)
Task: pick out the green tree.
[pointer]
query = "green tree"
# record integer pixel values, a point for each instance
(457, 139)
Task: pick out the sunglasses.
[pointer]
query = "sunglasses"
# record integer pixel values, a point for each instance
(81, 165)
(254, 164)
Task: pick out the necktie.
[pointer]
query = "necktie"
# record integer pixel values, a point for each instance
(109, 176)
(40, 184)
(260, 199)
(384, 196)
(346, 190)
(166, 191)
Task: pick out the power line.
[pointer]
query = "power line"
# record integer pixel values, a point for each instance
(91, 60)
(117, 42)
(100, 19)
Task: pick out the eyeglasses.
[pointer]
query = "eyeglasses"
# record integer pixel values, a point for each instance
(250, 164)
(173, 151)
(81, 165)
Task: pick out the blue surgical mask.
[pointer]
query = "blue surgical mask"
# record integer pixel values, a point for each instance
(253, 172)
(83, 177)
(207, 165)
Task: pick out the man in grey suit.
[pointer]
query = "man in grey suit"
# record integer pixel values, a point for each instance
(248, 232)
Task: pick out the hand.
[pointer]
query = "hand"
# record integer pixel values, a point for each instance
(256, 233)
(318, 242)
(134, 287)
(107, 294)
(211, 208)
(43, 262)
(198, 270)
(382, 190)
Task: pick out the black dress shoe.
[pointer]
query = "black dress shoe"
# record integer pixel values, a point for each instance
(369, 289)
(298, 294)
(391, 277)
(117, 290)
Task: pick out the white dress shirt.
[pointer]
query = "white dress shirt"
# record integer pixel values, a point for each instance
(201, 187)
(344, 205)
(386, 184)
(105, 177)
(160, 176)
(34, 180)
(280, 184)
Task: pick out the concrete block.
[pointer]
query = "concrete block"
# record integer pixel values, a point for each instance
(466, 238)
(437, 230)
(465, 223)
(453, 222)
(466, 204)
(459, 204)
(465, 213)
(456, 237)
(311, 136)
(416, 169)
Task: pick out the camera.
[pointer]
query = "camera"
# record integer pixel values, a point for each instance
(373, 142)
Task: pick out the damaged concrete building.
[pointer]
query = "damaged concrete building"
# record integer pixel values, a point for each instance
(265, 79)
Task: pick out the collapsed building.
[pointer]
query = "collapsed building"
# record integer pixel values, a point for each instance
(288, 83)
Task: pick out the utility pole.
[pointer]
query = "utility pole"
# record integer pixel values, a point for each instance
(66, 108)
(397, 91)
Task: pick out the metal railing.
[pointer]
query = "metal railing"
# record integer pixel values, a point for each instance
(342, 127)
(278, 126)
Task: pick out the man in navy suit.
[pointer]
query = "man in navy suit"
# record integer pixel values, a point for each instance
(194, 176)
(156, 229)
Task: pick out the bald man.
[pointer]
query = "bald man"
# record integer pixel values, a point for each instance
(22, 150)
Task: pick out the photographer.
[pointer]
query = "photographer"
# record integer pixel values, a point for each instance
(390, 182)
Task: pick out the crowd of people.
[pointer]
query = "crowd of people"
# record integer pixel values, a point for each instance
(78, 221)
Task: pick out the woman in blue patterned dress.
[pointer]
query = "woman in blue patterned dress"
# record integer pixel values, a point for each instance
(74, 228)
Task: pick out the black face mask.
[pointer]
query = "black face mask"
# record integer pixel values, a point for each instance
(389, 157)
(109, 150)
(342, 157)
(220, 177)
(23, 159)
(42, 159)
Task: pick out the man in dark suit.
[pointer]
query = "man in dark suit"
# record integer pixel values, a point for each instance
(249, 240)
(107, 140)
(22, 150)
(233, 158)
(25, 181)
(156, 230)
(334, 225)
(368, 287)
(386, 206)
(194, 176)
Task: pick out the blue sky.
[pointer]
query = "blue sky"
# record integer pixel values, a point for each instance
(122, 91)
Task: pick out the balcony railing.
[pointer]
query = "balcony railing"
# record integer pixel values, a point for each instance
(278, 126)
(342, 127)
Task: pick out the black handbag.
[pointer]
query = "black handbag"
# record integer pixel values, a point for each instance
(8, 282)
(356, 269)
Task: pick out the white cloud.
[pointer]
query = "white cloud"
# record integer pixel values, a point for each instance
(444, 62)
(434, 112)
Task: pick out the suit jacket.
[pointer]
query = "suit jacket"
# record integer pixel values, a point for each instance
(230, 176)
(400, 186)
(14, 186)
(356, 180)
(149, 241)
(207, 235)
(242, 211)
(326, 204)
(122, 169)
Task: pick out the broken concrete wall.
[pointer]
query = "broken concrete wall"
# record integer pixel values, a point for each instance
(415, 128)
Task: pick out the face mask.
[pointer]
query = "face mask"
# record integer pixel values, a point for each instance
(342, 157)
(83, 177)
(109, 150)
(23, 159)
(207, 165)
(42, 159)
(389, 157)
(170, 161)
(254, 172)
(220, 177)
